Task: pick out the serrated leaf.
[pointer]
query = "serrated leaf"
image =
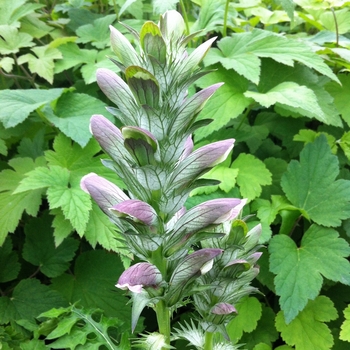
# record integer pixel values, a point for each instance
(29, 299)
(341, 94)
(321, 254)
(308, 331)
(290, 94)
(39, 248)
(11, 40)
(161, 6)
(75, 205)
(43, 62)
(12, 205)
(248, 314)
(310, 185)
(9, 262)
(242, 52)
(16, 105)
(265, 332)
(97, 32)
(252, 174)
(11, 12)
(100, 230)
(93, 284)
(72, 115)
(226, 104)
(345, 327)
(62, 227)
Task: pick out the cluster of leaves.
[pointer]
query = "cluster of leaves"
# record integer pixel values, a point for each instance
(285, 99)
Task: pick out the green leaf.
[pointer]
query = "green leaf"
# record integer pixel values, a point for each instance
(16, 105)
(12, 205)
(39, 248)
(11, 40)
(226, 104)
(242, 52)
(344, 143)
(43, 62)
(341, 94)
(308, 331)
(34, 344)
(252, 174)
(11, 12)
(9, 262)
(93, 284)
(311, 185)
(72, 115)
(345, 327)
(62, 227)
(290, 94)
(342, 23)
(28, 300)
(265, 332)
(161, 6)
(288, 6)
(75, 205)
(248, 314)
(224, 174)
(100, 230)
(321, 253)
(97, 32)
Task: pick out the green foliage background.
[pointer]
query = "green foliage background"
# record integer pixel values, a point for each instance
(286, 101)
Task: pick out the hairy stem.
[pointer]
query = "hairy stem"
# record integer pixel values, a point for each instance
(163, 319)
(336, 26)
(208, 345)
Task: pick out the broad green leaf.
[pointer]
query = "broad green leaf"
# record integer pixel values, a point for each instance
(3, 148)
(6, 63)
(227, 177)
(9, 262)
(34, 344)
(309, 136)
(72, 115)
(341, 94)
(290, 94)
(242, 52)
(341, 24)
(321, 253)
(29, 299)
(252, 174)
(248, 314)
(11, 40)
(33, 24)
(161, 6)
(43, 62)
(12, 205)
(93, 284)
(288, 6)
(97, 32)
(16, 105)
(311, 185)
(75, 205)
(39, 248)
(100, 230)
(226, 104)
(344, 143)
(308, 330)
(62, 227)
(265, 332)
(345, 327)
(12, 11)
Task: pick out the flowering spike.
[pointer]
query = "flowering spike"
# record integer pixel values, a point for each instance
(172, 26)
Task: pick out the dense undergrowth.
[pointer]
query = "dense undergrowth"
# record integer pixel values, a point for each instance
(285, 100)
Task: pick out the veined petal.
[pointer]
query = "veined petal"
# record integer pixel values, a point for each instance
(203, 158)
(104, 192)
(137, 209)
(138, 276)
(188, 148)
(172, 25)
(223, 309)
(110, 138)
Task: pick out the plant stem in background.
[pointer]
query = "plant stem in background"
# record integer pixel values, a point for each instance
(184, 14)
(208, 345)
(224, 31)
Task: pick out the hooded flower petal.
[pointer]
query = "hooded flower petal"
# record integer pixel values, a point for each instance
(138, 210)
(200, 160)
(105, 193)
(138, 276)
(223, 309)
(188, 147)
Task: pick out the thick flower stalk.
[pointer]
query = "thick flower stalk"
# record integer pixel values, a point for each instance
(153, 154)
